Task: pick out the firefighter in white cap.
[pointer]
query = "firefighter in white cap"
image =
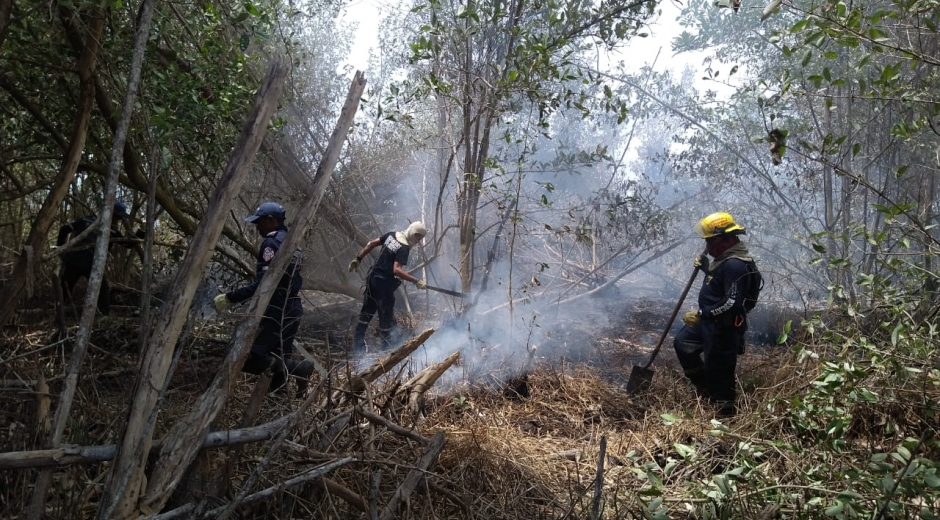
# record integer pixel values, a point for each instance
(384, 277)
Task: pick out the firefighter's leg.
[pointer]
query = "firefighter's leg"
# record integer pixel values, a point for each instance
(688, 345)
(386, 316)
(369, 307)
(721, 357)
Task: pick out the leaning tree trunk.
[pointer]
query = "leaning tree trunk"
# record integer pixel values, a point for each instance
(6, 7)
(184, 441)
(37, 235)
(119, 499)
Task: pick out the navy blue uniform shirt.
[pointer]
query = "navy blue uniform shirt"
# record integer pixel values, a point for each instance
(392, 251)
(289, 284)
(722, 294)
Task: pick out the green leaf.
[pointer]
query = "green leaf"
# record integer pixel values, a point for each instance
(809, 56)
(684, 451)
(798, 26)
(669, 419)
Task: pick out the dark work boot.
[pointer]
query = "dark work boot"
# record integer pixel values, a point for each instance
(302, 372)
(358, 345)
(724, 409)
(385, 340)
(359, 339)
(697, 378)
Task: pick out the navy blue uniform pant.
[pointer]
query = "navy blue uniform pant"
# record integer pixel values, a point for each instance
(77, 265)
(274, 344)
(708, 354)
(379, 297)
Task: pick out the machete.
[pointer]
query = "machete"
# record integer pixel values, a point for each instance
(445, 291)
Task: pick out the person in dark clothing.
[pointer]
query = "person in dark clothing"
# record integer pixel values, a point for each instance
(274, 344)
(384, 277)
(713, 336)
(78, 260)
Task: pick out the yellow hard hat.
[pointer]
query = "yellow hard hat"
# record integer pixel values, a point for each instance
(718, 224)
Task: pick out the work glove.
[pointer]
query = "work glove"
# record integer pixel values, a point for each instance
(354, 265)
(421, 284)
(691, 318)
(221, 303)
(701, 262)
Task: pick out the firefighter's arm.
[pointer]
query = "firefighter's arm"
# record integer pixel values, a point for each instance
(400, 272)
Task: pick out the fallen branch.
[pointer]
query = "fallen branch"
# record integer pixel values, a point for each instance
(385, 364)
(349, 496)
(260, 495)
(70, 455)
(414, 477)
(420, 383)
(393, 427)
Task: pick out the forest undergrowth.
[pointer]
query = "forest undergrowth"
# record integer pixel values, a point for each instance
(837, 421)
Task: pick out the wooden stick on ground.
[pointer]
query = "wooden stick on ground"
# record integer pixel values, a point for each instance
(398, 355)
(414, 477)
(393, 427)
(69, 454)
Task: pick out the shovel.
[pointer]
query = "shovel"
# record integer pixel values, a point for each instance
(642, 376)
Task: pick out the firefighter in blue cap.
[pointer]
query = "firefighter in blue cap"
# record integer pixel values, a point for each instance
(77, 260)
(274, 344)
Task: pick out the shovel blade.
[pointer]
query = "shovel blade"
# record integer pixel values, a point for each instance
(640, 380)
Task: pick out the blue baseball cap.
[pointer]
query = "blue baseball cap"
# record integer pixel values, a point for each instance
(268, 209)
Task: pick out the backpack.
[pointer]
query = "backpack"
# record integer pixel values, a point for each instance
(754, 285)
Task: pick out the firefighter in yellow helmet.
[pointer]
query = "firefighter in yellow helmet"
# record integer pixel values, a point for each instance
(713, 336)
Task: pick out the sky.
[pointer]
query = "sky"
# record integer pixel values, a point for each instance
(368, 14)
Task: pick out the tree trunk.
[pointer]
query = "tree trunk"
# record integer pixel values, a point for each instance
(23, 270)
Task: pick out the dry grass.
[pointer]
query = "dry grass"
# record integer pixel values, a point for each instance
(518, 447)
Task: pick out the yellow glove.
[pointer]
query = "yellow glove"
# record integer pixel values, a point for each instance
(221, 302)
(421, 284)
(354, 265)
(701, 262)
(691, 318)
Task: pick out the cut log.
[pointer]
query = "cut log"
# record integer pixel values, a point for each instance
(420, 383)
